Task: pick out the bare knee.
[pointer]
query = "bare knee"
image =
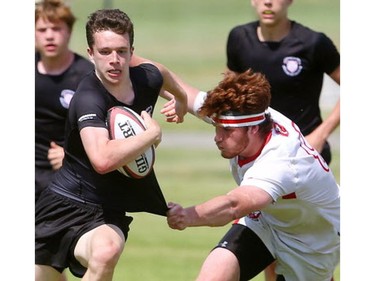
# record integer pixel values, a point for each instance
(106, 255)
(100, 249)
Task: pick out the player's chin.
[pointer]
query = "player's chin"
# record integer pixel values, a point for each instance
(226, 155)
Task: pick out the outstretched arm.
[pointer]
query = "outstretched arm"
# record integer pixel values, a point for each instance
(171, 90)
(219, 210)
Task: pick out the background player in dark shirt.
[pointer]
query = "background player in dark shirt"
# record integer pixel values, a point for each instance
(294, 59)
(58, 71)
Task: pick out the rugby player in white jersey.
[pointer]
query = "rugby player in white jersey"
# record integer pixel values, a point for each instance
(286, 207)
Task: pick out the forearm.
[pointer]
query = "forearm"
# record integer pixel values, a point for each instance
(330, 123)
(107, 155)
(218, 211)
(172, 85)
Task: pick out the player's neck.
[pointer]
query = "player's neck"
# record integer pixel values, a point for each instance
(254, 148)
(55, 65)
(122, 91)
(274, 33)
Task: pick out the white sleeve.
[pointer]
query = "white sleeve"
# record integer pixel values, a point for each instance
(198, 102)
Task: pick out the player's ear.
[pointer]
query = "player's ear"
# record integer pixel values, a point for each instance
(90, 53)
(252, 130)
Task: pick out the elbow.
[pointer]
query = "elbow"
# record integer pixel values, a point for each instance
(101, 167)
(236, 214)
(237, 209)
(101, 171)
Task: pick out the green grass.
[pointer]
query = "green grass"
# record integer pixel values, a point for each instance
(189, 37)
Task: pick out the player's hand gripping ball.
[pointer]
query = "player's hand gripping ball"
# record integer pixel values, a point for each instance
(122, 122)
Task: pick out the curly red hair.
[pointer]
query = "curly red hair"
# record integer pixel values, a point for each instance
(248, 93)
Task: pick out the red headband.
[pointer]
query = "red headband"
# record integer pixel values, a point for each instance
(231, 120)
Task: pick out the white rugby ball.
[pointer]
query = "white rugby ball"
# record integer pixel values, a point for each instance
(123, 123)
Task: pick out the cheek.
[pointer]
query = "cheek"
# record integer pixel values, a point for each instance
(238, 145)
(240, 142)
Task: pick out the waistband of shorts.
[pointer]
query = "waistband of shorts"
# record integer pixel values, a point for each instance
(72, 196)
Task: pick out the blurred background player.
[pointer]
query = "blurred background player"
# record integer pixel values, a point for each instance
(58, 70)
(294, 59)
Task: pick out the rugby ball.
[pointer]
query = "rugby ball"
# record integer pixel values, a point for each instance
(122, 122)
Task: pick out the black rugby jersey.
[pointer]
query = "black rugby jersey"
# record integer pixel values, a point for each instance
(52, 96)
(77, 178)
(295, 68)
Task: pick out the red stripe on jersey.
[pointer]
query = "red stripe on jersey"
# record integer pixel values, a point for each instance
(290, 196)
(244, 161)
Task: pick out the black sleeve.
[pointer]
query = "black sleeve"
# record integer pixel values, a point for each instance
(326, 54)
(89, 105)
(233, 43)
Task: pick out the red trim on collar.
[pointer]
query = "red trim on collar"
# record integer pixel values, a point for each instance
(292, 195)
(244, 161)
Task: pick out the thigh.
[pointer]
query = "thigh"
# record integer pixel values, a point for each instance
(252, 254)
(100, 237)
(46, 273)
(220, 264)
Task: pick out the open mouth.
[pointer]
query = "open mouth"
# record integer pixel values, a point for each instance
(114, 71)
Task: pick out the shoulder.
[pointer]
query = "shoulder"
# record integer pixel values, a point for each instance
(147, 72)
(90, 96)
(245, 28)
(318, 45)
(89, 85)
(309, 35)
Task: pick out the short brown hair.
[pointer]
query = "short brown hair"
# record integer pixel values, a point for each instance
(109, 19)
(53, 11)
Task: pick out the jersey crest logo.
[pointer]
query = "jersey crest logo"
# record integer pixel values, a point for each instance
(66, 97)
(254, 215)
(292, 66)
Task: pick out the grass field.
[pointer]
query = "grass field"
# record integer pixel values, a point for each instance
(189, 37)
